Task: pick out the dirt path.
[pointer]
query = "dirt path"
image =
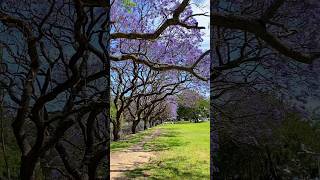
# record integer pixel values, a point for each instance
(131, 158)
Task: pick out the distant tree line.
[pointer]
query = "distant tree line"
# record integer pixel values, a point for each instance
(192, 106)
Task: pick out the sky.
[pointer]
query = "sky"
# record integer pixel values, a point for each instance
(203, 6)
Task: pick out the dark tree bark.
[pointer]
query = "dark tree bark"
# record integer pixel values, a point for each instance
(134, 126)
(116, 131)
(145, 124)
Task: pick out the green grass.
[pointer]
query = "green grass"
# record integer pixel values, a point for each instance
(183, 152)
(129, 140)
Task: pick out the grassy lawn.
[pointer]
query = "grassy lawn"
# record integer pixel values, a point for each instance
(129, 140)
(183, 153)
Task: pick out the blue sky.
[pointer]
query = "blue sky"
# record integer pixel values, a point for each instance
(203, 6)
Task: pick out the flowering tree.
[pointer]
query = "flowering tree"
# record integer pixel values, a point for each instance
(137, 84)
(150, 96)
(265, 45)
(267, 136)
(166, 38)
(253, 42)
(167, 42)
(125, 82)
(56, 55)
(161, 112)
(192, 106)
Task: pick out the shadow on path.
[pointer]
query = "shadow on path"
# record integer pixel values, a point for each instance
(131, 158)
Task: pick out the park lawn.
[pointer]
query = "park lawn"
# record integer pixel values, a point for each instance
(129, 140)
(183, 152)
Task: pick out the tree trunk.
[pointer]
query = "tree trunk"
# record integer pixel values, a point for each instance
(5, 158)
(271, 166)
(44, 163)
(116, 132)
(151, 123)
(145, 125)
(27, 168)
(92, 168)
(134, 126)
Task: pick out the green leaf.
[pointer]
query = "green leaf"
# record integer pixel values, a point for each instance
(128, 4)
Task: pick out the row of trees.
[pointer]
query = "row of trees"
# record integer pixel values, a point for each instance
(164, 45)
(55, 75)
(193, 106)
(268, 137)
(56, 56)
(260, 48)
(140, 94)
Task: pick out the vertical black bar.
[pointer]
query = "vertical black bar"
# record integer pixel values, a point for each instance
(211, 103)
(107, 66)
(213, 132)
